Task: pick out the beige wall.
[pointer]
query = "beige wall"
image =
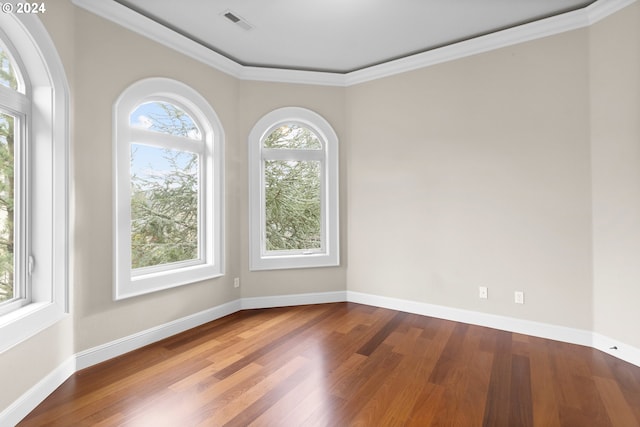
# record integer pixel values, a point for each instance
(615, 127)
(476, 172)
(255, 100)
(109, 59)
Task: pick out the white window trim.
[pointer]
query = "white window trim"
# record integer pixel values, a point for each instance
(329, 254)
(48, 135)
(128, 283)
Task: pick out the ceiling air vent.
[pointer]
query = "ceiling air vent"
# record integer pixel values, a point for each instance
(239, 21)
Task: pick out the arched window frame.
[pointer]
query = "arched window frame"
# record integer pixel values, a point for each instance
(129, 282)
(41, 228)
(329, 253)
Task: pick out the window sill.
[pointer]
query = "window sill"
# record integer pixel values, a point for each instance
(25, 322)
(139, 285)
(293, 261)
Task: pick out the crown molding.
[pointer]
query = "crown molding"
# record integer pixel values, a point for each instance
(280, 75)
(523, 33)
(500, 39)
(144, 26)
(131, 20)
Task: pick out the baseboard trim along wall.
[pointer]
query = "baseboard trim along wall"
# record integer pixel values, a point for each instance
(124, 345)
(32, 398)
(295, 299)
(19, 409)
(510, 324)
(527, 327)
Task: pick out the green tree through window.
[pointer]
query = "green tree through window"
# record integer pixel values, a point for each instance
(6, 207)
(293, 189)
(164, 190)
(292, 192)
(8, 79)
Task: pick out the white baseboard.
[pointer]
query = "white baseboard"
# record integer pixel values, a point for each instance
(295, 299)
(19, 409)
(36, 394)
(527, 327)
(616, 349)
(32, 398)
(124, 345)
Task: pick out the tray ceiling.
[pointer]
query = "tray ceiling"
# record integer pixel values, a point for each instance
(339, 36)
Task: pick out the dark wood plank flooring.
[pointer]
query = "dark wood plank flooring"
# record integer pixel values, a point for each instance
(347, 364)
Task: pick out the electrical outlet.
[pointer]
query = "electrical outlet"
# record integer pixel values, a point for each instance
(519, 297)
(236, 282)
(483, 292)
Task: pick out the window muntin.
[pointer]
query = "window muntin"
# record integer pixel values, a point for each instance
(294, 191)
(168, 211)
(165, 224)
(292, 176)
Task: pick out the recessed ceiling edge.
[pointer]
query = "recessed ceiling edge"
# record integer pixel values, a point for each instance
(142, 25)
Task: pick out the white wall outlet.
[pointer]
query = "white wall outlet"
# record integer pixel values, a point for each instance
(236, 282)
(483, 292)
(519, 297)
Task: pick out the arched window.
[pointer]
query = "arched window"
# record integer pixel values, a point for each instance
(33, 180)
(168, 155)
(293, 178)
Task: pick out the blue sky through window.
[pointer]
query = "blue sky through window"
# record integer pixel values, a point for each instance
(166, 118)
(149, 162)
(8, 72)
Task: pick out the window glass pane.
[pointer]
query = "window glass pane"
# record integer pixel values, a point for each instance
(292, 205)
(7, 191)
(8, 71)
(164, 206)
(164, 118)
(293, 136)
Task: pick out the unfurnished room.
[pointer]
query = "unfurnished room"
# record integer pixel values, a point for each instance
(320, 213)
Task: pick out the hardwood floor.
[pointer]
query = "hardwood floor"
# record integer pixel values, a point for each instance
(347, 364)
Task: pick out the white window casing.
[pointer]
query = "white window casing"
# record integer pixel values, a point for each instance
(129, 282)
(41, 228)
(328, 254)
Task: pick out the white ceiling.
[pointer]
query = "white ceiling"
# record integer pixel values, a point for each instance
(340, 36)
